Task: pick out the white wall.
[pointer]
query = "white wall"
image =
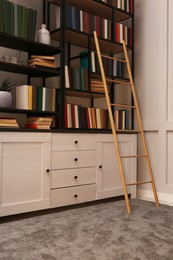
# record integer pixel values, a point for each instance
(154, 85)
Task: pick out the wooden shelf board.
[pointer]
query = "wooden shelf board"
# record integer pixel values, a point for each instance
(84, 94)
(32, 47)
(81, 39)
(96, 8)
(23, 69)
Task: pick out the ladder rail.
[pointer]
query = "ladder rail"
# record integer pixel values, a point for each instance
(140, 125)
(112, 122)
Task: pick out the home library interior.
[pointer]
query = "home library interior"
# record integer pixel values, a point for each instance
(77, 100)
(61, 113)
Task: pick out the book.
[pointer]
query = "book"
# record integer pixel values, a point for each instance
(8, 120)
(51, 58)
(42, 63)
(37, 126)
(22, 97)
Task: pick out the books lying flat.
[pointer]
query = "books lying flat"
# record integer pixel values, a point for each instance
(9, 123)
(39, 122)
(42, 63)
(51, 58)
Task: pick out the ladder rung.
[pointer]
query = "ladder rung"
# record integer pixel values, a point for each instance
(118, 81)
(128, 131)
(138, 183)
(121, 105)
(133, 156)
(113, 58)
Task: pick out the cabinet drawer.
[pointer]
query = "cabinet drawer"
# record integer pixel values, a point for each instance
(73, 159)
(73, 177)
(72, 195)
(61, 142)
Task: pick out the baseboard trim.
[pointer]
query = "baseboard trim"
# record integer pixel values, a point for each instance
(164, 198)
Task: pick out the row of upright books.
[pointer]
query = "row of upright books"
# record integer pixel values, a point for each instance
(111, 66)
(125, 5)
(76, 116)
(35, 98)
(76, 78)
(123, 32)
(86, 22)
(123, 119)
(17, 20)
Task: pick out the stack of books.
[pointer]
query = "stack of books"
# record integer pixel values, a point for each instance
(39, 122)
(97, 85)
(38, 61)
(8, 123)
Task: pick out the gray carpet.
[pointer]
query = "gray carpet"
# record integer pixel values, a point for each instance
(101, 231)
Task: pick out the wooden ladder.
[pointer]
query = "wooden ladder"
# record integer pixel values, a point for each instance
(112, 122)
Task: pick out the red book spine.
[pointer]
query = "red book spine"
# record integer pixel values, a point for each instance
(73, 116)
(65, 116)
(131, 6)
(87, 116)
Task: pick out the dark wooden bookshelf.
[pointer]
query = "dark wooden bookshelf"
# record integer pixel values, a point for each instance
(21, 44)
(30, 71)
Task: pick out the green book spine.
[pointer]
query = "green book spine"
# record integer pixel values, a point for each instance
(26, 22)
(30, 21)
(34, 22)
(5, 12)
(15, 20)
(39, 96)
(1, 16)
(23, 21)
(19, 20)
(11, 15)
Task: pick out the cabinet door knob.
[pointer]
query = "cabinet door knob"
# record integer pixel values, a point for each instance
(75, 195)
(75, 159)
(75, 177)
(48, 170)
(100, 166)
(76, 141)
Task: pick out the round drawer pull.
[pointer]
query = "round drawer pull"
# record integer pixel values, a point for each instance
(76, 141)
(75, 196)
(48, 170)
(75, 177)
(75, 159)
(100, 166)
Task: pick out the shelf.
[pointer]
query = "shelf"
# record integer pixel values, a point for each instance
(83, 94)
(32, 47)
(96, 8)
(23, 69)
(29, 112)
(81, 39)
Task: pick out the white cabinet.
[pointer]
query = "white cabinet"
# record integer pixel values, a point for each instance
(73, 171)
(48, 170)
(107, 169)
(24, 179)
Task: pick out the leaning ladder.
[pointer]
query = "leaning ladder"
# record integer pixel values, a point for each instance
(112, 123)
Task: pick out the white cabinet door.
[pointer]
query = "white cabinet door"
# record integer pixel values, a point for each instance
(24, 180)
(107, 169)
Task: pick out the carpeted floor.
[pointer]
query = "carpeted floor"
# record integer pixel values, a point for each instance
(101, 231)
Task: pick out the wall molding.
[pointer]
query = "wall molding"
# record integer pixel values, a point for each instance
(164, 198)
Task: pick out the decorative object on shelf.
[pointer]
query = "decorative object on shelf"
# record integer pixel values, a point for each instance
(5, 94)
(43, 35)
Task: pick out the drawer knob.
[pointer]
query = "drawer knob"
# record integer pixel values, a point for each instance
(75, 159)
(76, 141)
(75, 195)
(75, 177)
(48, 170)
(100, 166)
